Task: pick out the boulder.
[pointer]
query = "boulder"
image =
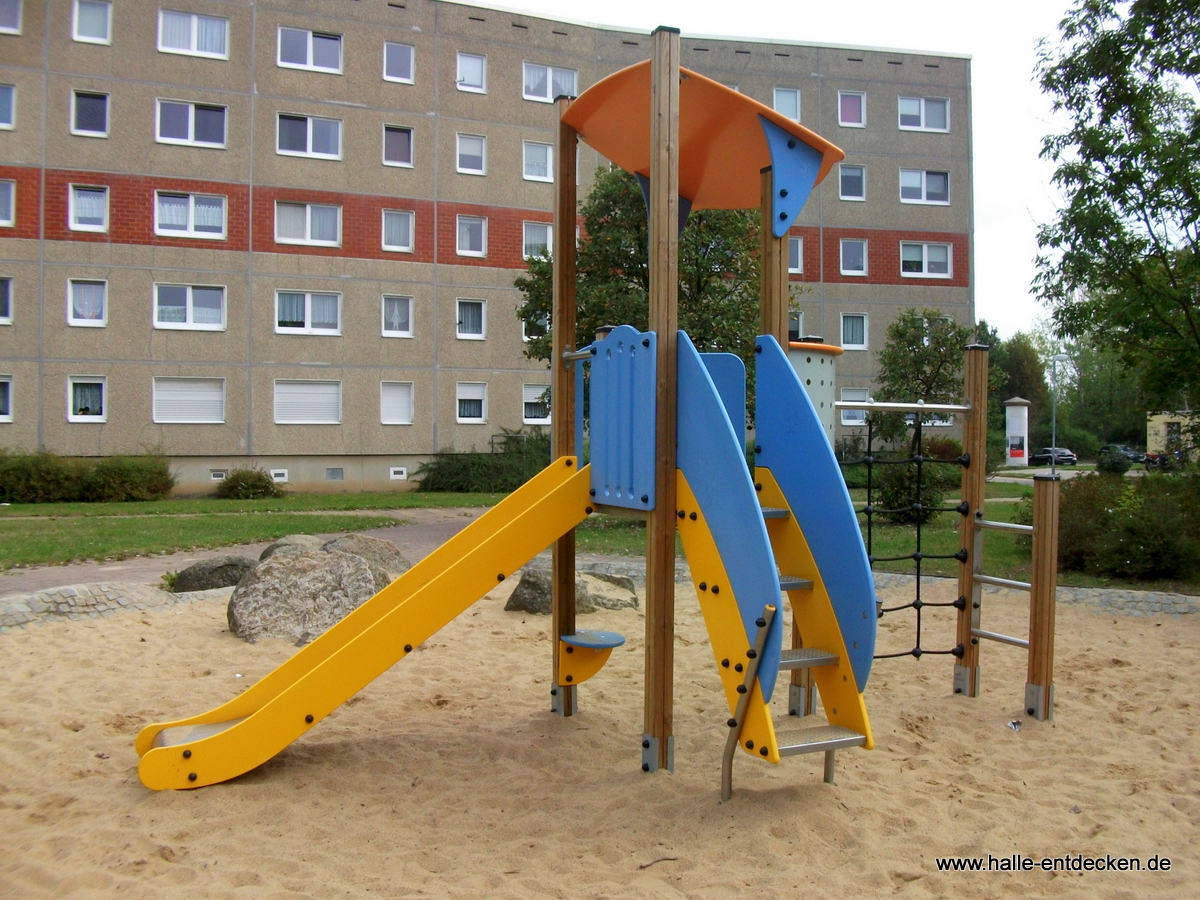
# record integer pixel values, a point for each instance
(218, 572)
(296, 597)
(593, 590)
(303, 541)
(381, 554)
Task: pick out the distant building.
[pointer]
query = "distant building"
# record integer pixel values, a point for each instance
(1171, 431)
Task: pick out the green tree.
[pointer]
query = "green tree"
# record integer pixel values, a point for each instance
(1119, 263)
(1102, 399)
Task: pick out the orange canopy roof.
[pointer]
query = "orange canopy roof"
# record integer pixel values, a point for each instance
(722, 146)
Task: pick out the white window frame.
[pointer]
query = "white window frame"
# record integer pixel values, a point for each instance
(853, 273)
(543, 320)
(309, 153)
(458, 391)
(310, 66)
(154, 413)
(483, 320)
(308, 327)
(20, 20)
(72, 225)
(107, 114)
(190, 141)
(11, 123)
(383, 324)
(195, 33)
(924, 198)
(308, 208)
(412, 231)
(798, 242)
(412, 403)
(85, 39)
(458, 76)
(10, 186)
(525, 145)
(458, 222)
(188, 324)
(527, 420)
(540, 98)
(190, 231)
(866, 331)
(851, 197)
(6, 318)
(786, 90)
(525, 239)
(301, 421)
(412, 146)
(102, 380)
(412, 63)
(925, 273)
(7, 380)
(854, 418)
(863, 97)
(458, 166)
(102, 322)
(923, 126)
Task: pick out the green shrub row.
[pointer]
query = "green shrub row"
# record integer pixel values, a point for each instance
(47, 478)
(517, 457)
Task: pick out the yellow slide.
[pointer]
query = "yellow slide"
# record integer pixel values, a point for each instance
(254, 726)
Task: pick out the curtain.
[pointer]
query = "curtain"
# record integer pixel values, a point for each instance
(172, 303)
(89, 206)
(326, 136)
(176, 31)
(92, 20)
(470, 235)
(87, 299)
(535, 80)
(470, 317)
(290, 310)
(537, 160)
(854, 330)
(209, 213)
(208, 304)
(324, 223)
(325, 311)
(172, 212)
(87, 398)
(563, 83)
(210, 35)
(396, 314)
(289, 221)
(396, 229)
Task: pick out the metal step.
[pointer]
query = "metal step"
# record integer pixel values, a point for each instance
(806, 658)
(794, 583)
(775, 512)
(821, 739)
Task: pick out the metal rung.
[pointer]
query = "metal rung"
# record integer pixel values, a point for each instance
(794, 583)
(775, 512)
(1003, 526)
(806, 658)
(1001, 638)
(1003, 582)
(821, 739)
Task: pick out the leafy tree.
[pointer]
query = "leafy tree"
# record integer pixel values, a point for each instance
(1102, 398)
(1120, 263)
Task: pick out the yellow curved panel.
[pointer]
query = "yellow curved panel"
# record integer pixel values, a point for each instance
(578, 664)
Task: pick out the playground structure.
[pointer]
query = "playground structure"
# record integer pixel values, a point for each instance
(667, 428)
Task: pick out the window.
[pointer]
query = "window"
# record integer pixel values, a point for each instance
(795, 325)
(92, 22)
(472, 73)
(924, 114)
(787, 103)
(472, 320)
(89, 117)
(854, 331)
(795, 255)
(87, 304)
(189, 215)
(854, 416)
(6, 398)
(397, 146)
(398, 230)
(852, 182)
(199, 401)
(398, 62)
(86, 400)
(308, 223)
(88, 208)
(925, 260)
(538, 328)
(395, 402)
(308, 402)
(10, 16)
(472, 402)
(191, 123)
(854, 257)
(6, 315)
(8, 191)
(472, 236)
(852, 109)
(8, 106)
(472, 154)
(189, 306)
(539, 161)
(303, 312)
(309, 136)
(192, 35)
(535, 404)
(922, 186)
(538, 236)
(544, 83)
(397, 316)
(301, 49)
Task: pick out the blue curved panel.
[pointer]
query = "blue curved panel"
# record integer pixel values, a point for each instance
(795, 449)
(712, 459)
(622, 418)
(728, 374)
(794, 169)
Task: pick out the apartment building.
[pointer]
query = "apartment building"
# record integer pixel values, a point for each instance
(285, 233)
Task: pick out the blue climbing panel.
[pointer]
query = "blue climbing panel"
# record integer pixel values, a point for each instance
(794, 168)
(728, 374)
(622, 418)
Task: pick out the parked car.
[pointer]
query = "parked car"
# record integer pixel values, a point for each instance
(1134, 456)
(1062, 457)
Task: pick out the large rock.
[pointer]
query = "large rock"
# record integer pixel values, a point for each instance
(218, 572)
(593, 590)
(381, 554)
(294, 543)
(298, 596)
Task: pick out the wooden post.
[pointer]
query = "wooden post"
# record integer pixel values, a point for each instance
(657, 742)
(1039, 683)
(975, 388)
(773, 270)
(562, 392)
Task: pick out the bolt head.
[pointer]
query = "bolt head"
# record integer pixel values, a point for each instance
(191, 776)
(645, 745)
(645, 767)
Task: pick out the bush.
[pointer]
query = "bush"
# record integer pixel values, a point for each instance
(943, 448)
(118, 479)
(248, 484)
(895, 492)
(1113, 462)
(46, 478)
(517, 457)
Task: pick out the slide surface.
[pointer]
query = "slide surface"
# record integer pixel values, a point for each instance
(254, 726)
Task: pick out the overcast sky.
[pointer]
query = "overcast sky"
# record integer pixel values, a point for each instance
(1012, 186)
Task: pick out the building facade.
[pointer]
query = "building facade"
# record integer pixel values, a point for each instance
(285, 233)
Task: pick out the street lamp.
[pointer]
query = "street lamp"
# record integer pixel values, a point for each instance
(1054, 361)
